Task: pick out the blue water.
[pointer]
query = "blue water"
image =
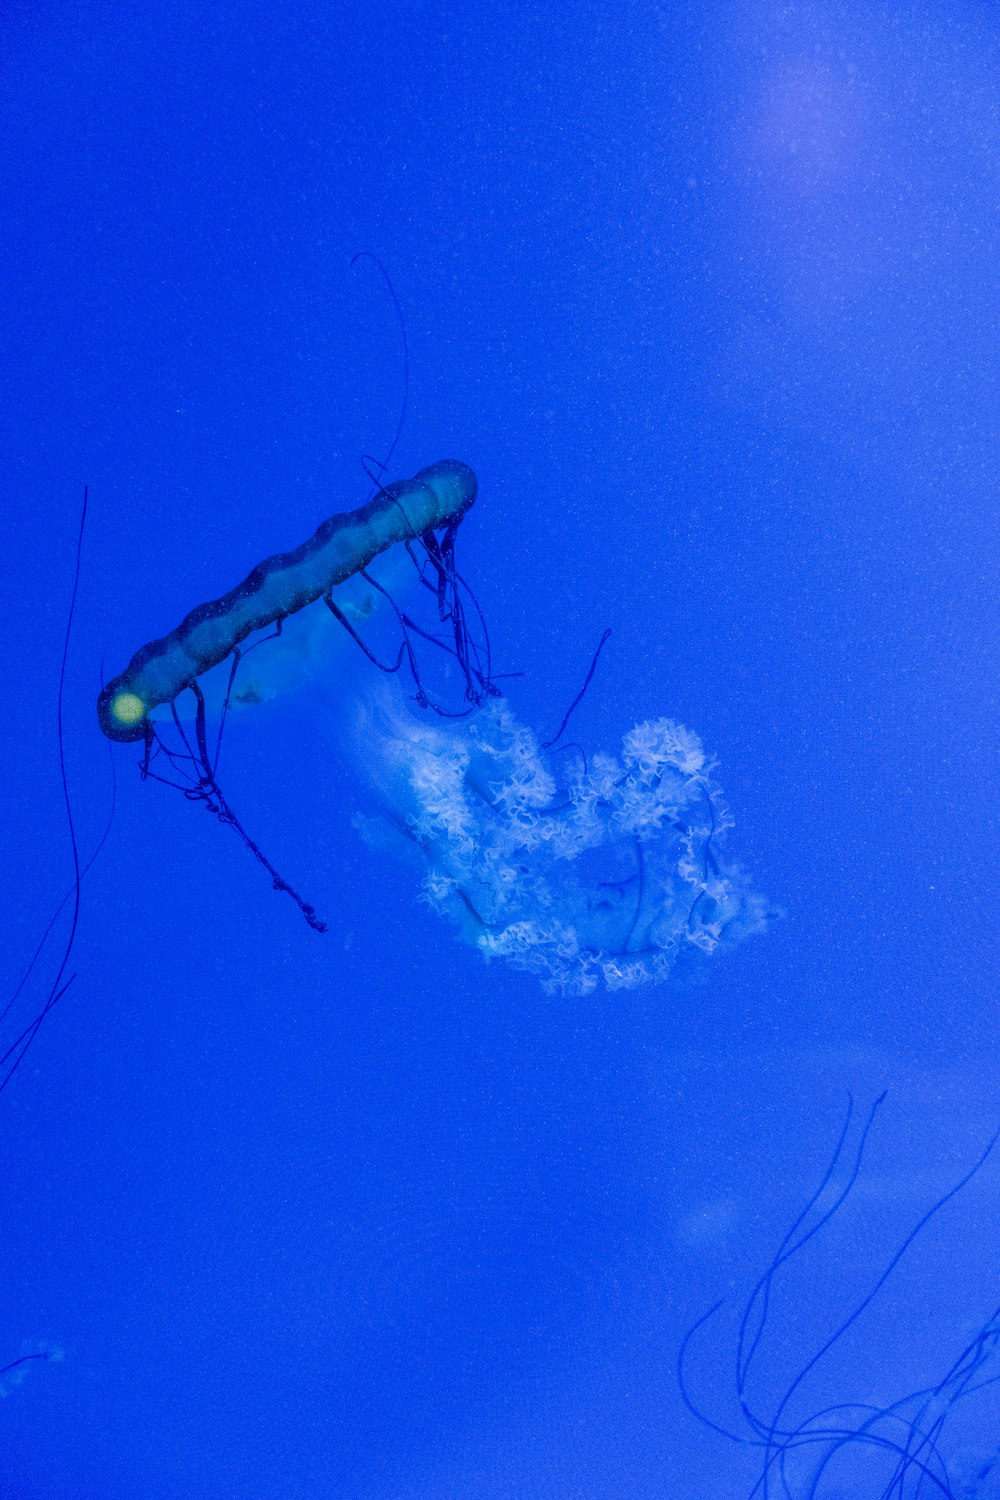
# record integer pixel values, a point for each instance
(707, 295)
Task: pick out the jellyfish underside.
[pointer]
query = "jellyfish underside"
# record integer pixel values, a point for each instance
(586, 871)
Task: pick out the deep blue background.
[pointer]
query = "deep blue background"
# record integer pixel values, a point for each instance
(707, 294)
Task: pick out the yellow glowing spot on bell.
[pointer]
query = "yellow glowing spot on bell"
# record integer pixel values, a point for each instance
(128, 708)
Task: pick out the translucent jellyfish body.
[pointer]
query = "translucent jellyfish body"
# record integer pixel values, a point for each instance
(584, 870)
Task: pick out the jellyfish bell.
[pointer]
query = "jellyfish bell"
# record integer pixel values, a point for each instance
(423, 512)
(279, 587)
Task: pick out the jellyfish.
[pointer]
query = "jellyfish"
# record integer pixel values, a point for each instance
(16, 1371)
(588, 871)
(897, 1449)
